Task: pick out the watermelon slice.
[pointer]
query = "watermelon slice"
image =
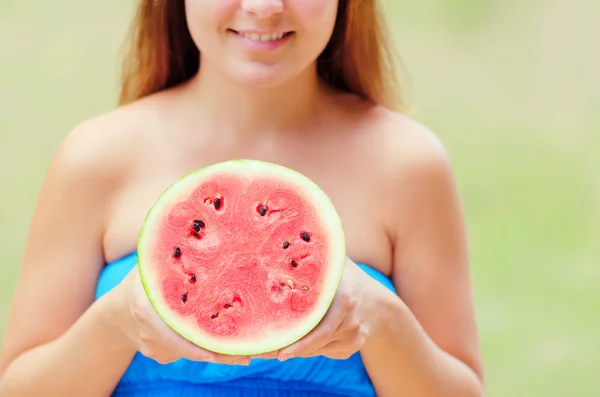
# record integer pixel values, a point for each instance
(242, 257)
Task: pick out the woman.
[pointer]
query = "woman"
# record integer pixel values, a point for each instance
(303, 83)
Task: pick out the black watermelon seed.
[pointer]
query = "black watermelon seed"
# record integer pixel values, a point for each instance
(177, 252)
(286, 245)
(305, 236)
(293, 263)
(197, 225)
(193, 278)
(217, 203)
(184, 297)
(263, 210)
(227, 306)
(214, 315)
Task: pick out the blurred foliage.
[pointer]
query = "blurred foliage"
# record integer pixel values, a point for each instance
(511, 88)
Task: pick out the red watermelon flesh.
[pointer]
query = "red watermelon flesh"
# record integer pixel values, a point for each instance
(242, 257)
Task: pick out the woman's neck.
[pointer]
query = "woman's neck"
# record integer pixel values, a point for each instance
(257, 109)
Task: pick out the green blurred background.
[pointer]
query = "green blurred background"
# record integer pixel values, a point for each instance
(510, 88)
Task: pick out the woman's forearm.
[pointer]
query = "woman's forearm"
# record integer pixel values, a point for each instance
(403, 361)
(87, 360)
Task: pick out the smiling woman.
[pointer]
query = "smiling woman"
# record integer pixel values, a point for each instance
(167, 38)
(305, 84)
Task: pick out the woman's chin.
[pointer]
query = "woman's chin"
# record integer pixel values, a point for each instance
(260, 75)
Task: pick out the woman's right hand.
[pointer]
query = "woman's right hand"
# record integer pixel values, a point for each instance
(151, 336)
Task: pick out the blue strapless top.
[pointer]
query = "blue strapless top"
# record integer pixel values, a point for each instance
(296, 377)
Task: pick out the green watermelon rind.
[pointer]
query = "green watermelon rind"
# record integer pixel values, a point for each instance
(329, 219)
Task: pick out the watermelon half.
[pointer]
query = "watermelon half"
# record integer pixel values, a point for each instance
(242, 257)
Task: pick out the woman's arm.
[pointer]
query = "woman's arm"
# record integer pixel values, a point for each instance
(87, 360)
(403, 360)
(422, 343)
(59, 342)
(425, 344)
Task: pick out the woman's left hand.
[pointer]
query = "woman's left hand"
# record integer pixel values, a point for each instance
(346, 326)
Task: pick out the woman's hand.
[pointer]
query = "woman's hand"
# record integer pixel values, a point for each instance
(152, 337)
(347, 325)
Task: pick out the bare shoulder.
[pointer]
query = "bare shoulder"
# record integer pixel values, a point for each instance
(416, 166)
(400, 149)
(106, 146)
(407, 160)
(401, 143)
(100, 144)
(410, 148)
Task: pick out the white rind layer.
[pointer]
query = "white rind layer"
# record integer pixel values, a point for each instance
(326, 215)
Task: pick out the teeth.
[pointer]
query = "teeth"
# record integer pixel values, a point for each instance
(263, 37)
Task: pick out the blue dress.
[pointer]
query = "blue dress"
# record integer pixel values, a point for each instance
(296, 377)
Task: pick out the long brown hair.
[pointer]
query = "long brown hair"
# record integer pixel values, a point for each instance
(359, 58)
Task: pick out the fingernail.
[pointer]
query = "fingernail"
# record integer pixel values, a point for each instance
(242, 361)
(284, 357)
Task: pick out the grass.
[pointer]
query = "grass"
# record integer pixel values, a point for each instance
(510, 89)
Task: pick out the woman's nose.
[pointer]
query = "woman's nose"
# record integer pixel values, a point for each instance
(263, 8)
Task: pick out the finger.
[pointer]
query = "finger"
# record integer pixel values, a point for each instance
(267, 355)
(189, 350)
(320, 335)
(340, 349)
(181, 347)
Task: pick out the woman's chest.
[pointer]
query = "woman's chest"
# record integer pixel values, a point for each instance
(351, 189)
